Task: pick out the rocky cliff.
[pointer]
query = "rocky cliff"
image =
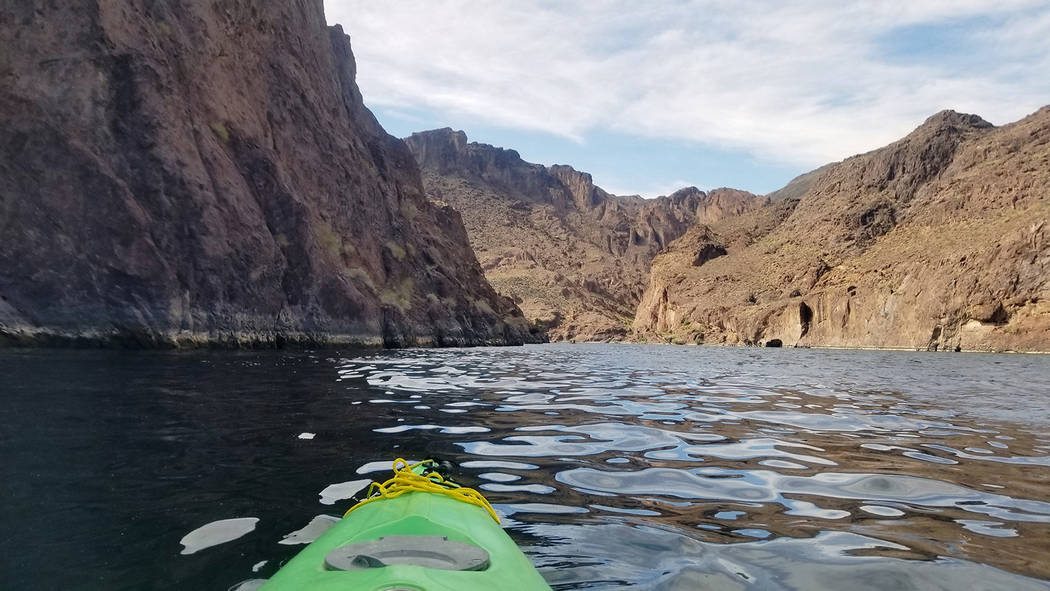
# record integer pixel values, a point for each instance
(206, 172)
(938, 241)
(575, 257)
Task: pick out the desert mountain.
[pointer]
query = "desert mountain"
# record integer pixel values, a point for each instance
(940, 240)
(574, 257)
(206, 172)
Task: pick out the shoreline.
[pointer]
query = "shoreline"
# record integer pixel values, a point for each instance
(234, 341)
(820, 347)
(183, 341)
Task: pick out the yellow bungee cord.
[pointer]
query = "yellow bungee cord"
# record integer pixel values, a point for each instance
(406, 481)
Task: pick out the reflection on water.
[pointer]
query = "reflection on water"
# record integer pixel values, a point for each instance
(612, 465)
(217, 532)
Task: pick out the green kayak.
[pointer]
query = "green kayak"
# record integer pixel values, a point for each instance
(415, 532)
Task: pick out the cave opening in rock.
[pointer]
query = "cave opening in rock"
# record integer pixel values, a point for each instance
(805, 317)
(999, 316)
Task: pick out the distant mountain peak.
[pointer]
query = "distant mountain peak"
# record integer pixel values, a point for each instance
(686, 192)
(952, 118)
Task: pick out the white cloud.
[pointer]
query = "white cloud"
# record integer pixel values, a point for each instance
(805, 82)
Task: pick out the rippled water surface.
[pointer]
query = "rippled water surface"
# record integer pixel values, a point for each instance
(612, 465)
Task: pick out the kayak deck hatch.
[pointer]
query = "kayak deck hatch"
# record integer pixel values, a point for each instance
(427, 551)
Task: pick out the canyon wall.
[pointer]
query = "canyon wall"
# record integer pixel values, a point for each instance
(574, 257)
(186, 173)
(938, 241)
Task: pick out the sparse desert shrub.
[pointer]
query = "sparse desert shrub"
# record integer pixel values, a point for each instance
(220, 131)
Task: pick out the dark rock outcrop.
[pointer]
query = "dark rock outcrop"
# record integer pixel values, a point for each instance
(707, 252)
(206, 172)
(575, 257)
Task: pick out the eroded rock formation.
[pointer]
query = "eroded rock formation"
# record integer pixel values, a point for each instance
(206, 172)
(938, 241)
(575, 257)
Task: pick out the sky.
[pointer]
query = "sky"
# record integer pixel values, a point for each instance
(650, 97)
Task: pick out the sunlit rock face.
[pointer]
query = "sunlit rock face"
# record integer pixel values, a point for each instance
(573, 256)
(938, 241)
(176, 173)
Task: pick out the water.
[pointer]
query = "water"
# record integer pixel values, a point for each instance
(612, 465)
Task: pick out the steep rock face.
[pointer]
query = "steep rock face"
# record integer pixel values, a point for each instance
(206, 172)
(575, 257)
(938, 241)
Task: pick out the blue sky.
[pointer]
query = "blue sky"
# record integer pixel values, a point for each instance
(650, 97)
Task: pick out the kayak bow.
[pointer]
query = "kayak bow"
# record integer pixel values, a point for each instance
(415, 532)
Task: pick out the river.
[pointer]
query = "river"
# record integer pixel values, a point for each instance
(655, 467)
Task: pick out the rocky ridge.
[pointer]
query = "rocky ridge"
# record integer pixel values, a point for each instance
(798, 186)
(937, 241)
(573, 256)
(186, 173)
